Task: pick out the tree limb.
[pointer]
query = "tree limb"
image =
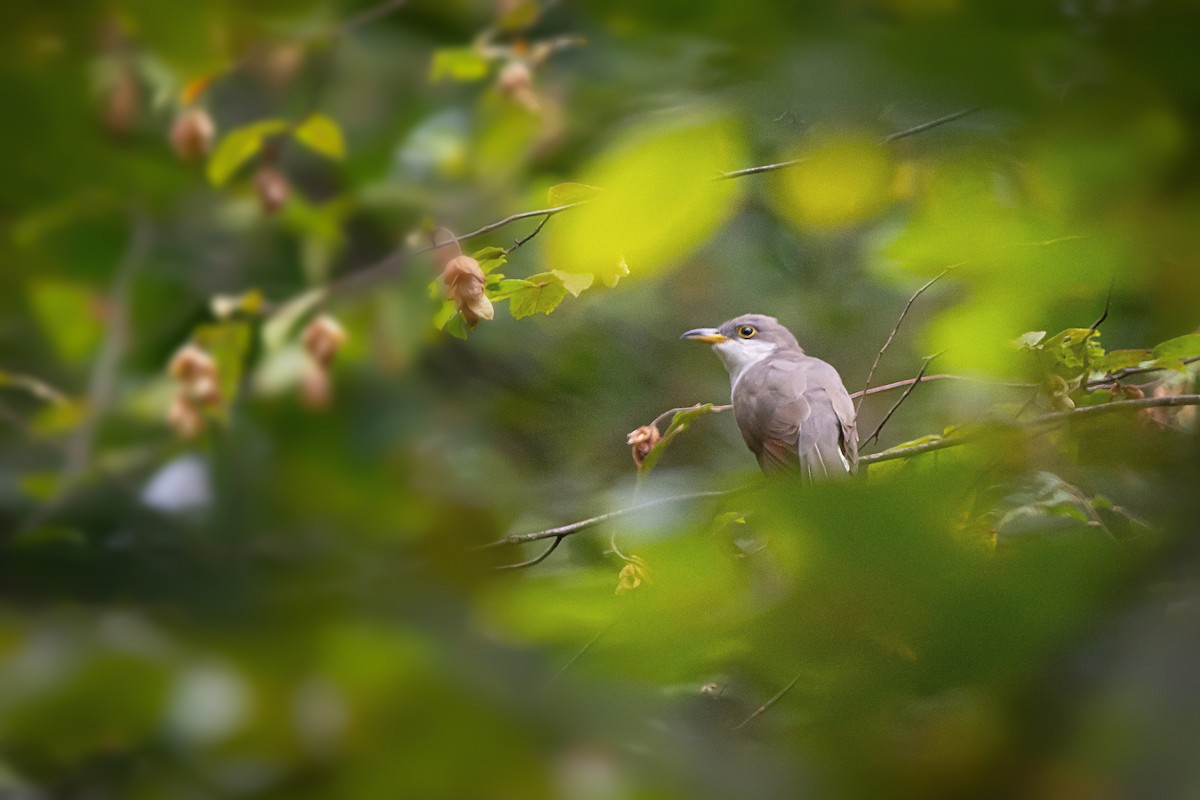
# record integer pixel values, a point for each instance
(758, 712)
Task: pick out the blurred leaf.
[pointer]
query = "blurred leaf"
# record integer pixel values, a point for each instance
(562, 194)
(459, 63)
(280, 324)
(680, 422)
(251, 303)
(660, 200)
(196, 87)
(240, 145)
(508, 287)
(1179, 348)
(541, 293)
(228, 343)
(1122, 359)
(67, 313)
(322, 135)
(843, 179)
(518, 14)
(1029, 340)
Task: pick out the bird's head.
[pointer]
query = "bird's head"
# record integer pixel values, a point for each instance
(744, 341)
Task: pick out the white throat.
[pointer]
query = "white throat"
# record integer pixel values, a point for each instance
(739, 355)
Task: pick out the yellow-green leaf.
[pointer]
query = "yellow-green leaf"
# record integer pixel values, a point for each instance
(542, 293)
(459, 63)
(239, 146)
(575, 282)
(659, 203)
(561, 194)
(322, 135)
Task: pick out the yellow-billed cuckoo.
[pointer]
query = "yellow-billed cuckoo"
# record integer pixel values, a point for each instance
(792, 409)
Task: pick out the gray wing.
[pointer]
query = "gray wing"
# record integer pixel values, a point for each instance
(796, 414)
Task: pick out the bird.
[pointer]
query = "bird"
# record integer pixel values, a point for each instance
(792, 409)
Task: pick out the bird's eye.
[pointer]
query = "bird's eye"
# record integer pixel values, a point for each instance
(747, 331)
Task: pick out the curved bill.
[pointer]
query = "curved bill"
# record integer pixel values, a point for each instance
(706, 335)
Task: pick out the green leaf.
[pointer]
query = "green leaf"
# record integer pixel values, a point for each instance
(1179, 348)
(507, 288)
(519, 15)
(459, 63)
(561, 194)
(322, 135)
(488, 253)
(611, 274)
(542, 293)
(1122, 359)
(679, 423)
(228, 344)
(457, 327)
(67, 314)
(574, 282)
(444, 314)
(238, 146)
(1029, 340)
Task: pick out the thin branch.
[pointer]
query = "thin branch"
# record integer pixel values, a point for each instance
(1129, 371)
(758, 712)
(879, 428)
(368, 16)
(670, 412)
(533, 562)
(895, 329)
(591, 522)
(925, 126)
(941, 376)
(1171, 401)
(741, 173)
(519, 243)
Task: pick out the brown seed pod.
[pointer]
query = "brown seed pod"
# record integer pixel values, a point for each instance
(464, 280)
(323, 338)
(515, 82)
(122, 104)
(192, 134)
(191, 362)
(273, 189)
(184, 418)
(642, 441)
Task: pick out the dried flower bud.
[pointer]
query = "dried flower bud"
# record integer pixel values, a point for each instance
(192, 134)
(323, 338)
(273, 189)
(190, 363)
(642, 441)
(515, 82)
(184, 418)
(1127, 391)
(203, 391)
(632, 575)
(464, 280)
(123, 103)
(316, 388)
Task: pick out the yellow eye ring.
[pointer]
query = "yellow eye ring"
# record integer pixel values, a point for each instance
(747, 331)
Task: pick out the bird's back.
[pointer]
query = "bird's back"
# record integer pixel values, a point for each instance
(795, 414)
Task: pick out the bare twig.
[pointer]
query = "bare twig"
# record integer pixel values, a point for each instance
(924, 126)
(895, 329)
(575, 527)
(367, 16)
(525, 239)
(533, 562)
(741, 173)
(879, 428)
(941, 376)
(758, 712)
(34, 386)
(671, 412)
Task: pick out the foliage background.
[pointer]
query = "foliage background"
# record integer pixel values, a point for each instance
(292, 605)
